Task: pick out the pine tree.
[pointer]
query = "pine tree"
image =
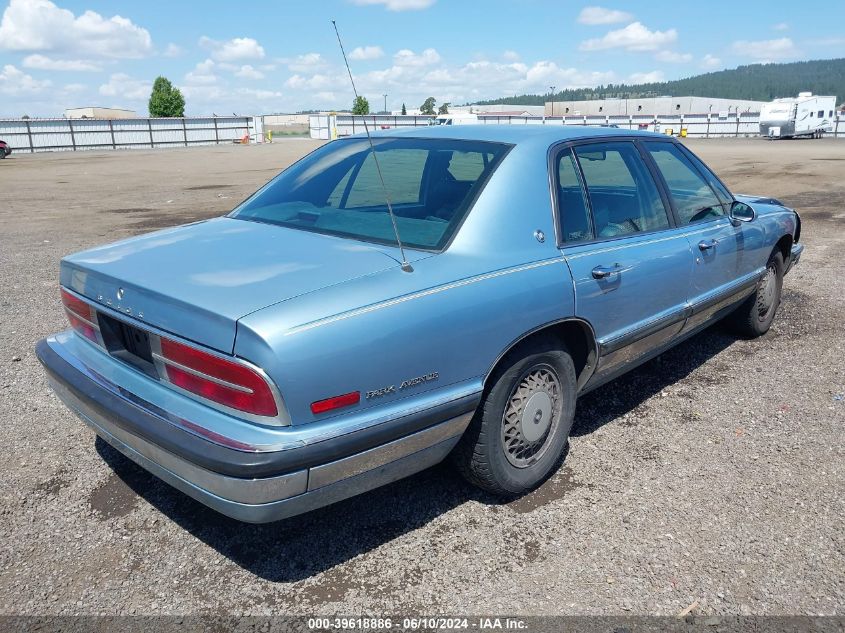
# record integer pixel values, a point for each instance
(428, 106)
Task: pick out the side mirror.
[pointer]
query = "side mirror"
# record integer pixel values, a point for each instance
(741, 212)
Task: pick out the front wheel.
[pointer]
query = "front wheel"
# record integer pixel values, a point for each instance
(517, 437)
(754, 316)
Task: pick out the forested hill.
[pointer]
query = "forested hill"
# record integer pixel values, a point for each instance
(760, 82)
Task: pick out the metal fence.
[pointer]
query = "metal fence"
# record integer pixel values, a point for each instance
(50, 135)
(743, 124)
(326, 126)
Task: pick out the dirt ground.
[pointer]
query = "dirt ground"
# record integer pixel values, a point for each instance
(712, 474)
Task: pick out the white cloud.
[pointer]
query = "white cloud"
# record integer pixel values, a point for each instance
(39, 25)
(235, 50)
(646, 78)
(398, 5)
(127, 88)
(710, 61)
(829, 41)
(765, 50)
(248, 72)
(15, 82)
(261, 95)
(634, 37)
(600, 15)
(407, 57)
(305, 63)
(314, 82)
(470, 82)
(203, 73)
(780, 26)
(511, 56)
(673, 57)
(42, 62)
(173, 50)
(366, 52)
(223, 100)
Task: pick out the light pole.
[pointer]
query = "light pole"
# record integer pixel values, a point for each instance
(552, 99)
(385, 103)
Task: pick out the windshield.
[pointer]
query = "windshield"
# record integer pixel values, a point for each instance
(336, 190)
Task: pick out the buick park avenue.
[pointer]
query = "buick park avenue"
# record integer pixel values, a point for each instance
(334, 332)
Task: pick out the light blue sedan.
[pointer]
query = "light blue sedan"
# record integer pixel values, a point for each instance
(293, 353)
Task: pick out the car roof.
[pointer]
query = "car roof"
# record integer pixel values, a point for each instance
(512, 134)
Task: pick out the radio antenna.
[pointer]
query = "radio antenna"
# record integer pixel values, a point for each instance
(406, 266)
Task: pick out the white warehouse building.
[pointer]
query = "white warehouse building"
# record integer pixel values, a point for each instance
(653, 106)
(95, 112)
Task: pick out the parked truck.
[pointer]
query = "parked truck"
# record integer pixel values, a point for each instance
(804, 115)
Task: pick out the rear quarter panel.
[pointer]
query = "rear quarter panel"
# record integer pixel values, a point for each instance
(454, 315)
(331, 342)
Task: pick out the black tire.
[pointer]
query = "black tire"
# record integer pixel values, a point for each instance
(493, 453)
(754, 316)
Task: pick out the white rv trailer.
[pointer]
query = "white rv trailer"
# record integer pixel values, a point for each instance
(457, 118)
(804, 115)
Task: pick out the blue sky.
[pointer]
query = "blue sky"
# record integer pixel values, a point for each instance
(263, 57)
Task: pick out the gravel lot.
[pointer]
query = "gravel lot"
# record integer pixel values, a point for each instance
(712, 474)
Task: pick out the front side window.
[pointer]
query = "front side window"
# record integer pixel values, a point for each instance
(692, 196)
(721, 191)
(622, 193)
(336, 190)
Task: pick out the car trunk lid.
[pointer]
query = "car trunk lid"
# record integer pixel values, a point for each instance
(197, 280)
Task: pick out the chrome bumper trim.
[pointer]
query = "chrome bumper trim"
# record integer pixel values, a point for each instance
(273, 498)
(251, 491)
(353, 465)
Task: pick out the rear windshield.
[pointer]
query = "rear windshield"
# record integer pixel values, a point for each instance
(336, 190)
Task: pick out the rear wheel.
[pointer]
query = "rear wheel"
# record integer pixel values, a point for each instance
(517, 437)
(755, 315)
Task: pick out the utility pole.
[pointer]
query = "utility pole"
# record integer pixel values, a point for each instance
(385, 103)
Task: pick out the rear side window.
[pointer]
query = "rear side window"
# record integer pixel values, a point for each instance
(336, 190)
(402, 174)
(468, 166)
(572, 206)
(623, 196)
(692, 196)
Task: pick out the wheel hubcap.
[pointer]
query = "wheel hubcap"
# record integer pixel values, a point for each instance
(530, 416)
(766, 293)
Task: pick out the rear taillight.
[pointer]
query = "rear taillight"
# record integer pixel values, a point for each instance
(82, 317)
(225, 382)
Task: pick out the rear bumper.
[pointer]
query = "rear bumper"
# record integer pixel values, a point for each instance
(254, 486)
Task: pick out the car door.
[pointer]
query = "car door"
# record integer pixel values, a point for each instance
(630, 265)
(702, 209)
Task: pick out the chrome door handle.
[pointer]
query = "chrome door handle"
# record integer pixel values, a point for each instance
(602, 272)
(706, 245)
